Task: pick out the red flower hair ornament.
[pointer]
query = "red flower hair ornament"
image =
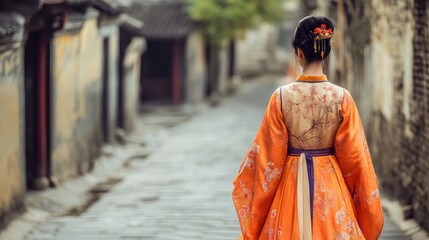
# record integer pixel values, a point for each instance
(321, 33)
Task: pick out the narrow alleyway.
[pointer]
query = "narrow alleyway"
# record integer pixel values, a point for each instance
(182, 190)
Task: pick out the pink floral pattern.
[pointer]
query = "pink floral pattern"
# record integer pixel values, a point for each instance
(270, 227)
(309, 110)
(339, 216)
(324, 200)
(249, 160)
(270, 173)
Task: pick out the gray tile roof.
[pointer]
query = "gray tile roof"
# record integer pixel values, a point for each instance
(8, 26)
(25, 8)
(78, 2)
(162, 19)
(132, 25)
(109, 6)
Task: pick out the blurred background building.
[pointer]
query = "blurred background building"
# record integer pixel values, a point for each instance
(73, 74)
(62, 95)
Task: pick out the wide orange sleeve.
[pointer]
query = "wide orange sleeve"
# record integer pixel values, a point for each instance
(351, 150)
(260, 171)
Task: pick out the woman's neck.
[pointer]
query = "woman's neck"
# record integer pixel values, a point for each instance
(313, 69)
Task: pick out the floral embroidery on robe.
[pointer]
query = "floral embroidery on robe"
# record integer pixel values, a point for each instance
(310, 113)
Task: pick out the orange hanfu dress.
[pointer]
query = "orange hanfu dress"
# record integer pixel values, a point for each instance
(308, 174)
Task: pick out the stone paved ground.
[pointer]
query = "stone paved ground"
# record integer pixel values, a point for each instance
(182, 190)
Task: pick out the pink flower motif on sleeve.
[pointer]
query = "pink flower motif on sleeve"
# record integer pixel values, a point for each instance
(270, 173)
(249, 161)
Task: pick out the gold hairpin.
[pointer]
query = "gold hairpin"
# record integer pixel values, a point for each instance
(321, 34)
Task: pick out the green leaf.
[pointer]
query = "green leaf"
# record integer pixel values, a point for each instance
(227, 19)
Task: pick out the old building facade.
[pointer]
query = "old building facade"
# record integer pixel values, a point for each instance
(76, 87)
(257, 51)
(60, 78)
(174, 66)
(12, 147)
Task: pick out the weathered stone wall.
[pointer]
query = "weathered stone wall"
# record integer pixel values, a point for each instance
(12, 184)
(131, 78)
(195, 80)
(416, 145)
(397, 67)
(389, 58)
(12, 147)
(110, 35)
(224, 64)
(76, 97)
(256, 51)
(382, 57)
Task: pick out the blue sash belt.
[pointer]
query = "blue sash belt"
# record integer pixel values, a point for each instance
(309, 154)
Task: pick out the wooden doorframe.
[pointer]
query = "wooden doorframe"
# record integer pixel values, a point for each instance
(176, 77)
(105, 92)
(38, 132)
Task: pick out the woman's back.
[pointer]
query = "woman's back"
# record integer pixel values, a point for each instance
(312, 112)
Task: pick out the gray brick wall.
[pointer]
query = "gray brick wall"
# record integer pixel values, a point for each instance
(401, 158)
(419, 147)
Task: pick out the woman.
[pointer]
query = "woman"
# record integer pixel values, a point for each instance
(308, 174)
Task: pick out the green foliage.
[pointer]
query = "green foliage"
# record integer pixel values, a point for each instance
(227, 19)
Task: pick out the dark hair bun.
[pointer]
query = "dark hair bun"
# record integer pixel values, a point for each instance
(304, 37)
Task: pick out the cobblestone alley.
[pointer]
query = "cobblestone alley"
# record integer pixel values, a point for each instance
(182, 190)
